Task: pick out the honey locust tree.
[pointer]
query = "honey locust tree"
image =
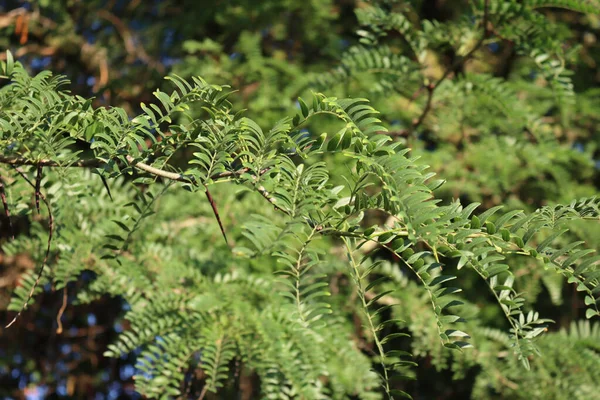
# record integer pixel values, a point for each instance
(353, 254)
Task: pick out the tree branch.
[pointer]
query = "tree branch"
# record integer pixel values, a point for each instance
(16, 161)
(174, 176)
(97, 163)
(433, 86)
(48, 244)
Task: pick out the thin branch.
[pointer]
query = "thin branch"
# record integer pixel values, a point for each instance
(38, 183)
(10, 18)
(59, 329)
(159, 172)
(32, 48)
(132, 46)
(433, 86)
(16, 161)
(174, 176)
(430, 89)
(203, 392)
(46, 256)
(98, 163)
(263, 192)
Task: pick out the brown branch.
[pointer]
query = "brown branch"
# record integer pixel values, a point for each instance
(38, 183)
(22, 28)
(46, 256)
(97, 163)
(59, 329)
(13, 16)
(31, 48)
(126, 35)
(133, 49)
(158, 172)
(203, 392)
(433, 86)
(174, 176)
(16, 161)
(263, 192)
(430, 89)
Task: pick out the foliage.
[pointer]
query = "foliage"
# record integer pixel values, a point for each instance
(355, 266)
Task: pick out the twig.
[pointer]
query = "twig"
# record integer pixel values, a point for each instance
(38, 184)
(433, 86)
(159, 172)
(59, 329)
(10, 18)
(263, 192)
(98, 163)
(430, 89)
(90, 163)
(134, 50)
(46, 256)
(203, 392)
(32, 48)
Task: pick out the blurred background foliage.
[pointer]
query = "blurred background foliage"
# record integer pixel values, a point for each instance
(496, 129)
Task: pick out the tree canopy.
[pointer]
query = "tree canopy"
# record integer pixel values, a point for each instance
(279, 199)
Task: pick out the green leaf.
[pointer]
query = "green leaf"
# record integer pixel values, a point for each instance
(589, 300)
(303, 107)
(441, 279)
(10, 63)
(456, 333)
